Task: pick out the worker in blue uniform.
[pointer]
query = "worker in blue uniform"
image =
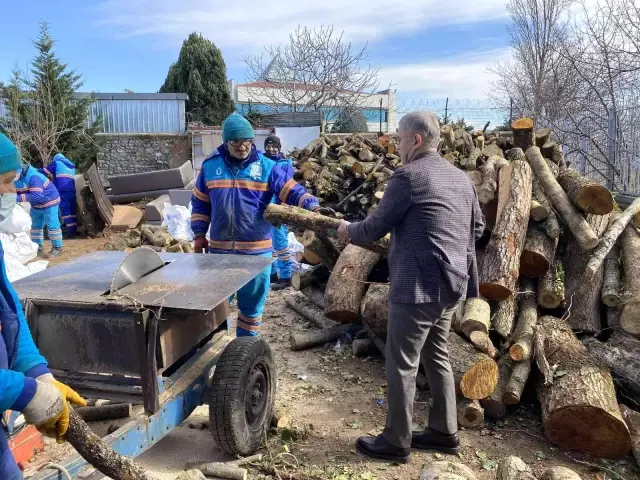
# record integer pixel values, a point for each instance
(232, 191)
(62, 172)
(272, 150)
(26, 384)
(33, 187)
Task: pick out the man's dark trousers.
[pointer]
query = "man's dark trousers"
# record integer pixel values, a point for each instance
(414, 329)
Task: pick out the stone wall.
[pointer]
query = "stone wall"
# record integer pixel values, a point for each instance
(123, 154)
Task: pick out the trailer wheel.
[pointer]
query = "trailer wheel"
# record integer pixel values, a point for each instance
(243, 393)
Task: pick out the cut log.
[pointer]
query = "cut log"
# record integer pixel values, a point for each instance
(313, 338)
(586, 194)
(446, 471)
(610, 238)
(362, 347)
(513, 468)
(523, 133)
(494, 406)
(517, 381)
(447, 133)
(539, 342)
(315, 296)
(560, 473)
(542, 136)
(299, 304)
(305, 220)
(500, 265)
(584, 297)
(547, 149)
(540, 206)
(347, 284)
(224, 470)
(505, 317)
(491, 150)
(522, 347)
(552, 225)
(611, 283)
(489, 178)
(477, 316)
(480, 142)
(105, 412)
(375, 309)
(472, 159)
(470, 413)
(538, 253)
(579, 410)
(632, 419)
(483, 343)
(99, 454)
(309, 277)
(621, 354)
(475, 374)
(551, 286)
(559, 199)
(558, 156)
(322, 248)
(630, 300)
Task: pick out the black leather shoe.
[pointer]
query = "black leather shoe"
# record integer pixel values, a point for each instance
(378, 447)
(433, 440)
(281, 284)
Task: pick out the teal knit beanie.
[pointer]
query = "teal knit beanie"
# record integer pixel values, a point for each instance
(236, 127)
(9, 155)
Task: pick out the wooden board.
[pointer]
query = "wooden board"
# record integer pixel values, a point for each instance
(104, 205)
(125, 217)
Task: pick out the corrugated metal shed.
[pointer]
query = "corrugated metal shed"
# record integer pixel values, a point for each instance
(292, 119)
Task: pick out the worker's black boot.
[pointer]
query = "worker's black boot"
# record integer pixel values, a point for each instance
(281, 284)
(378, 447)
(55, 251)
(433, 440)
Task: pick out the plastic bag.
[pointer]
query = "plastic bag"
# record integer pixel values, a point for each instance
(19, 246)
(294, 245)
(177, 219)
(17, 271)
(18, 222)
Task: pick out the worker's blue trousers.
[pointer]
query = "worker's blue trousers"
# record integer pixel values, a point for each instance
(8, 468)
(49, 217)
(281, 252)
(251, 300)
(68, 211)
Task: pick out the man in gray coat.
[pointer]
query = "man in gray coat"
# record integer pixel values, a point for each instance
(432, 211)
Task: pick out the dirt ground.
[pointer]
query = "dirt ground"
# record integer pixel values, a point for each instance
(332, 398)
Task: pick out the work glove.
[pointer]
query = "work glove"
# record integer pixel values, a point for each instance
(69, 394)
(200, 244)
(326, 211)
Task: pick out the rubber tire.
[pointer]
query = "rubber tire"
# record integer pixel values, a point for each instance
(227, 419)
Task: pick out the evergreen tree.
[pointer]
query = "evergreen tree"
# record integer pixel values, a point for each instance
(350, 120)
(201, 73)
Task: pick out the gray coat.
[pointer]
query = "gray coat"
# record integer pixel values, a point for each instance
(432, 211)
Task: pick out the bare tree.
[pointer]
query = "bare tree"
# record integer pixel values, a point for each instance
(316, 69)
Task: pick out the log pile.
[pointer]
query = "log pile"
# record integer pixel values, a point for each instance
(559, 280)
(156, 237)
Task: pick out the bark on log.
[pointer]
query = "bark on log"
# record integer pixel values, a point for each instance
(579, 410)
(621, 354)
(488, 186)
(447, 133)
(610, 238)
(299, 304)
(375, 309)
(540, 206)
(483, 343)
(630, 299)
(313, 338)
(315, 296)
(586, 194)
(305, 220)
(224, 470)
(99, 454)
(347, 284)
(560, 473)
(522, 348)
(539, 342)
(557, 196)
(538, 253)
(551, 286)
(494, 406)
(500, 265)
(505, 317)
(542, 136)
(513, 468)
(547, 149)
(472, 160)
(104, 412)
(552, 225)
(309, 277)
(470, 413)
(324, 250)
(475, 374)
(477, 316)
(480, 142)
(632, 419)
(517, 381)
(584, 297)
(522, 133)
(613, 317)
(361, 347)
(611, 278)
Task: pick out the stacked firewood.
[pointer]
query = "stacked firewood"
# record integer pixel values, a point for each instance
(559, 273)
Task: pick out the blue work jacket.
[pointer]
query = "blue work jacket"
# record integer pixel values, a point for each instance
(35, 188)
(63, 172)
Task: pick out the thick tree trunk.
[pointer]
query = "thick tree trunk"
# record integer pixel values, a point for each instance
(542, 136)
(375, 309)
(312, 313)
(522, 347)
(489, 184)
(538, 253)
(551, 286)
(500, 266)
(547, 149)
(322, 248)
(313, 338)
(470, 413)
(475, 374)
(505, 316)
(584, 297)
(630, 300)
(610, 237)
(517, 381)
(494, 406)
(632, 419)
(579, 410)
(586, 194)
(540, 206)
(611, 278)
(523, 133)
(347, 284)
(557, 196)
(513, 468)
(305, 220)
(99, 454)
(315, 275)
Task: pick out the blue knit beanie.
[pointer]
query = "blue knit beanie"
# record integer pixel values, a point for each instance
(9, 155)
(236, 127)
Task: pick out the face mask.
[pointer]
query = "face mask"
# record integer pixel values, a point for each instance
(7, 204)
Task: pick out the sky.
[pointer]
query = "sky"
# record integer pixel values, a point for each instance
(426, 49)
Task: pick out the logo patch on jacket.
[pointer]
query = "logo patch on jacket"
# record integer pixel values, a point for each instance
(219, 171)
(256, 171)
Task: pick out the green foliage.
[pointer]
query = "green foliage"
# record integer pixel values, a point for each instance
(201, 73)
(350, 120)
(44, 117)
(505, 127)
(461, 123)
